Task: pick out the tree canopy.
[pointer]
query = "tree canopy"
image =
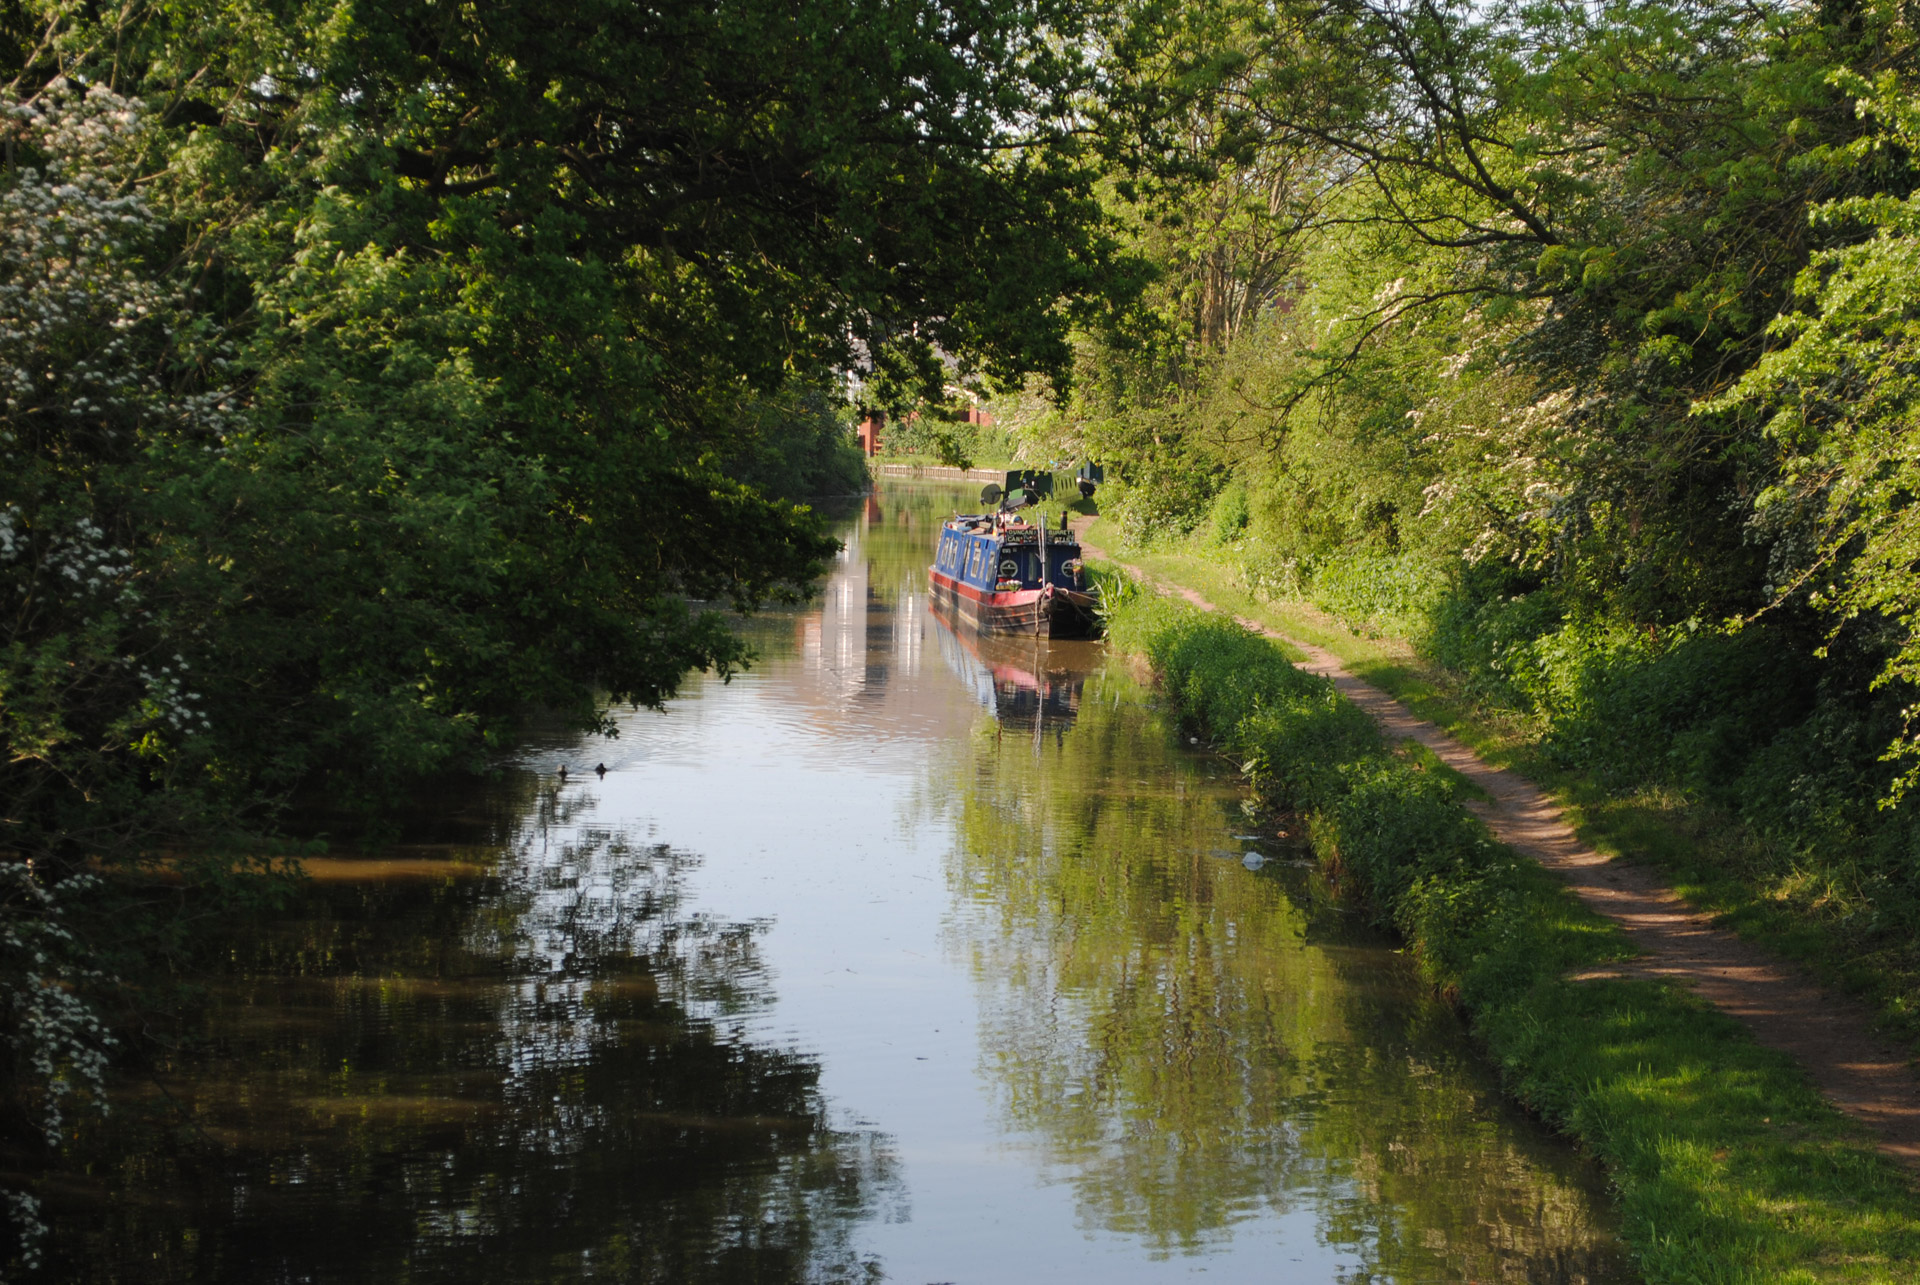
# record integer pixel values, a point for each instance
(378, 374)
(1570, 342)
(441, 327)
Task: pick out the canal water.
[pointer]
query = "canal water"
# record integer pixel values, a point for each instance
(906, 956)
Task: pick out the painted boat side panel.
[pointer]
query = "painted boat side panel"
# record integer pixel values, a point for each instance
(1065, 613)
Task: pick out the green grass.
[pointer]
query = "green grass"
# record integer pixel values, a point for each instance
(1431, 762)
(1730, 1167)
(1709, 857)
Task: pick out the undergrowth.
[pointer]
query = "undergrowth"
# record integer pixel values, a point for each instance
(1751, 777)
(1730, 1167)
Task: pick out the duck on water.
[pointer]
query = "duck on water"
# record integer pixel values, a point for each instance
(1002, 572)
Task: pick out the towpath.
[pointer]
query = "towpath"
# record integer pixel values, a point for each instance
(1829, 1034)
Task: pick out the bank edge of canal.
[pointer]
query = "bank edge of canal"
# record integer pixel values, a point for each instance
(1729, 1163)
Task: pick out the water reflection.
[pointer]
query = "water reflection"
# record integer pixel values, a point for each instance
(906, 955)
(541, 1070)
(870, 625)
(1028, 684)
(1195, 1047)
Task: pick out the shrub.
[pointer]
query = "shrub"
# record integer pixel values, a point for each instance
(1228, 518)
(1290, 728)
(1393, 824)
(1707, 1136)
(1392, 591)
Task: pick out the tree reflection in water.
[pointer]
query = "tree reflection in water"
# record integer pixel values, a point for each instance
(538, 1071)
(1192, 1044)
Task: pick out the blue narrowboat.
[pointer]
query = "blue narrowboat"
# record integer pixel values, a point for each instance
(1002, 573)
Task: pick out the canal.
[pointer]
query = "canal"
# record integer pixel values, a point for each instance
(905, 956)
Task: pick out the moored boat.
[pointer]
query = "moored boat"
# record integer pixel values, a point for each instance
(1002, 572)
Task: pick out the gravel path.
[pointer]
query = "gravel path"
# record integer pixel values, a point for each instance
(1829, 1034)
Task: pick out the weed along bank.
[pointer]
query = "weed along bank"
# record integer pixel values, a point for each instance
(1728, 1162)
(974, 983)
(562, 716)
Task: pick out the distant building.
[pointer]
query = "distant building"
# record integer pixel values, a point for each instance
(874, 422)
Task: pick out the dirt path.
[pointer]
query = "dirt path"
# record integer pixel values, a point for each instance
(1829, 1034)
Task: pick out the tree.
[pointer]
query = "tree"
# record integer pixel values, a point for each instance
(376, 373)
(480, 297)
(1623, 190)
(1837, 397)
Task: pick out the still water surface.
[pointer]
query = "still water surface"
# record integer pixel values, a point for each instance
(907, 956)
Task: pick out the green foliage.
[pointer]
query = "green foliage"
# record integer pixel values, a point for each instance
(1115, 591)
(1525, 253)
(1162, 501)
(1229, 516)
(1383, 591)
(1735, 719)
(1706, 1136)
(375, 375)
(798, 445)
(436, 366)
(1291, 729)
(939, 431)
(1590, 375)
(1836, 398)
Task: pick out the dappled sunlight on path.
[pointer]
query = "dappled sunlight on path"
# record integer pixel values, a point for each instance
(1830, 1035)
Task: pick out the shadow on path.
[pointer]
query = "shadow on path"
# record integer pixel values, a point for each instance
(1830, 1035)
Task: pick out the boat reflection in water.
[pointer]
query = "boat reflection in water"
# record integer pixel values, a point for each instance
(1029, 683)
(819, 985)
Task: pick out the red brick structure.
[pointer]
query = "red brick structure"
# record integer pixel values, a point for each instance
(869, 431)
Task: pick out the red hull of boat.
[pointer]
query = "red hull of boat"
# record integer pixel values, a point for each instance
(1050, 612)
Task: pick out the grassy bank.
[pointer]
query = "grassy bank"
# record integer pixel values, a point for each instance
(1821, 903)
(1730, 1167)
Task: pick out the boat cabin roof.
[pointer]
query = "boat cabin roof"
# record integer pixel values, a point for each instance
(1007, 528)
